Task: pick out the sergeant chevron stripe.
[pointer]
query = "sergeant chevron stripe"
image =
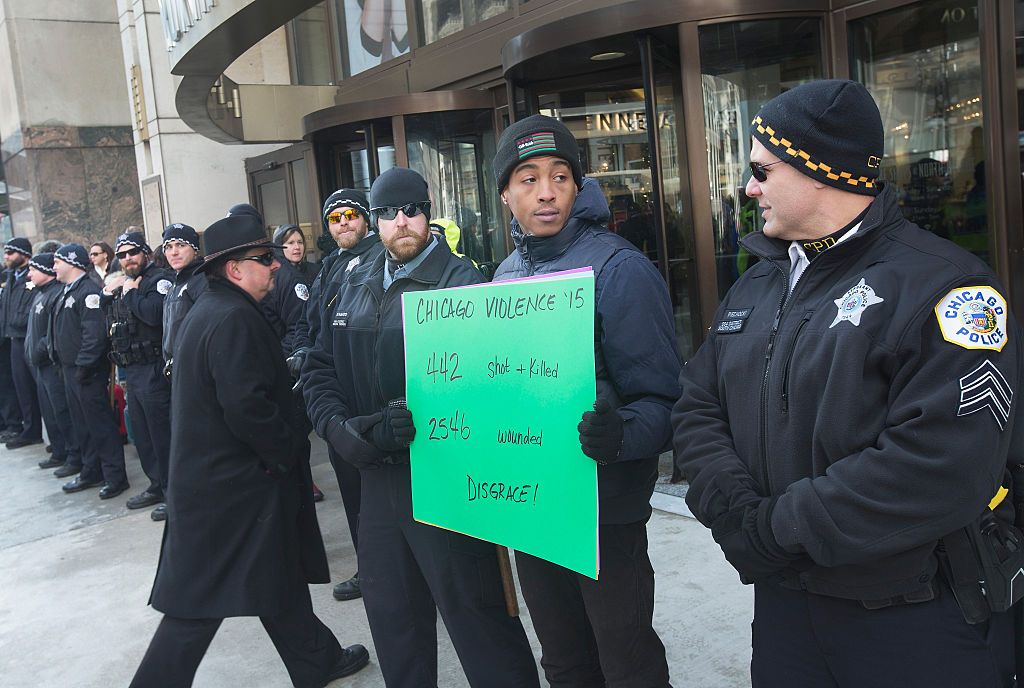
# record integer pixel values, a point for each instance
(985, 387)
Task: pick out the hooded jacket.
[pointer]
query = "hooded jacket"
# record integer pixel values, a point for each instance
(637, 361)
(878, 433)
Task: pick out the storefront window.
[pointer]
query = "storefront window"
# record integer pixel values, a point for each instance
(311, 47)
(454, 151)
(440, 18)
(371, 31)
(307, 221)
(744, 65)
(922, 64)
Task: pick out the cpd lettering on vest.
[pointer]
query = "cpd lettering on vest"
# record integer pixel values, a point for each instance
(973, 317)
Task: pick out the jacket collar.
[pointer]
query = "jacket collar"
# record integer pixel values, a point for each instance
(188, 270)
(364, 245)
(429, 272)
(588, 210)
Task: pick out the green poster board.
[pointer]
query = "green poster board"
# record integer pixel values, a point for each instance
(497, 378)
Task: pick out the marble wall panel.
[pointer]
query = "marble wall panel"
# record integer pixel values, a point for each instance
(51, 137)
(61, 193)
(21, 195)
(112, 191)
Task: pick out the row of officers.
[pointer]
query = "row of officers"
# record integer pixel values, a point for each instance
(847, 429)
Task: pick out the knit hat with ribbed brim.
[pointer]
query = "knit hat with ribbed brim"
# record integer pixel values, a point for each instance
(73, 254)
(182, 233)
(136, 239)
(829, 130)
(346, 198)
(19, 245)
(43, 262)
(397, 187)
(534, 137)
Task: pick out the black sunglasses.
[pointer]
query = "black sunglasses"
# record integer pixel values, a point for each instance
(130, 252)
(266, 259)
(410, 210)
(760, 171)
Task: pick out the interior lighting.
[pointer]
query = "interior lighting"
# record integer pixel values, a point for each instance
(604, 57)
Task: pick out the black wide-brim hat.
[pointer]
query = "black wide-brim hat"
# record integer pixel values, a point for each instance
(232, 234)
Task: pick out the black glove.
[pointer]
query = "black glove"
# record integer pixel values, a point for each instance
(395, 430)
(295, 362)
(746, 538)
(601, 433)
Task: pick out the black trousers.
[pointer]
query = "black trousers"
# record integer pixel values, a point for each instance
(96, 428)
(149, 406)
(409, 571)
(25, 386)
(598, 633)
(10, 412)
(307, 647)
(54, 407)
(349, 484)
(802, 639)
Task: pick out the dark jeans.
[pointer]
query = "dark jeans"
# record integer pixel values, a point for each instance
(25, 386)
(349, 484)
(53, 404)
(307, 647)
(149, 407)
(406, 568)
(10, 412)
(802, 639)
(96, 428)
(598, 633)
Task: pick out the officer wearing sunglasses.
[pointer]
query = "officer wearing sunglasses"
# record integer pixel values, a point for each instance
(841, 421)
(354, 384)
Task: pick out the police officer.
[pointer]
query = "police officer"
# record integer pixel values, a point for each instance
(14, 310)
(354, 383)
(346, 220)
(53, 401)
(241, 536)
(597, 633)
(135, 320)
(851, 407)
(80, 346)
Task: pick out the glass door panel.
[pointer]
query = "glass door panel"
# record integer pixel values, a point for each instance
(922, 64)
(272, 198)
(744, 65)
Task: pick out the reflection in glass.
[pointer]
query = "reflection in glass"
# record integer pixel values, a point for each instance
(311, 44)
(274, 204)
(454, 151)
(371, 32)
(744, 65)
(922, 64)
(440, 18)
(308, 222)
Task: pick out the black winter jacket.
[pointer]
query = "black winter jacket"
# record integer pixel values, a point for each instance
(285, 303)
(358, 365)
(878, 433)
(188, 286)
(79, 329)
(336, 268)
(142, 309)
(16, 303)
(637, 362)
(37, 336)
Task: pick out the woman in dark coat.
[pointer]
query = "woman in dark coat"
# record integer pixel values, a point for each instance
(242, 537)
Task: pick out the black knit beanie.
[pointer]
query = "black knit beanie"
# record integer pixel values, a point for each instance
(829, 130)
(182, 233)
(532, 137)
(43, 262)
(74, 254)
(136, 239)
(346, 198)
(399, 186)
(19, 245)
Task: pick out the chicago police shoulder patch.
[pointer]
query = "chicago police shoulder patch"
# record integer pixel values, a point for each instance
(302, 291)
(92, 301)
(973, 317)
(164, 286)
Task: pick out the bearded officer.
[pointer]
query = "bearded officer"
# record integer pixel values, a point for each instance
(852, 406)
(241, 534)
(354, 383)
(346, 220)
(80, 346)
(135, 319)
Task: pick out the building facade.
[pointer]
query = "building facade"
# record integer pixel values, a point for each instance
(658, 92)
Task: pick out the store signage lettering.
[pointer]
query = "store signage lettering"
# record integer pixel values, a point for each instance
(626, 121)
(178, 16)
(957, 15)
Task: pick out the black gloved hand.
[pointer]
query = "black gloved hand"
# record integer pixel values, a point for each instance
(83, 374)
(746, 538)
(395, 431)
(601, 432)
(295, 362)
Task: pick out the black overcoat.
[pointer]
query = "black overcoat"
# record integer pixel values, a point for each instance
(240, 515)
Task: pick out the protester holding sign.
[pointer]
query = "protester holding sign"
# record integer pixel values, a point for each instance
(597, 632)
(354, 384)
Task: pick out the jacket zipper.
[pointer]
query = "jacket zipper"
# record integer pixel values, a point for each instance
(765, 477)
(789, 361)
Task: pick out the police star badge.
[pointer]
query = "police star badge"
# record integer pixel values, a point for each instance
(854, 302)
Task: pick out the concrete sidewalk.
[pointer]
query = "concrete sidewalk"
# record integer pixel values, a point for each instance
(75, 575)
